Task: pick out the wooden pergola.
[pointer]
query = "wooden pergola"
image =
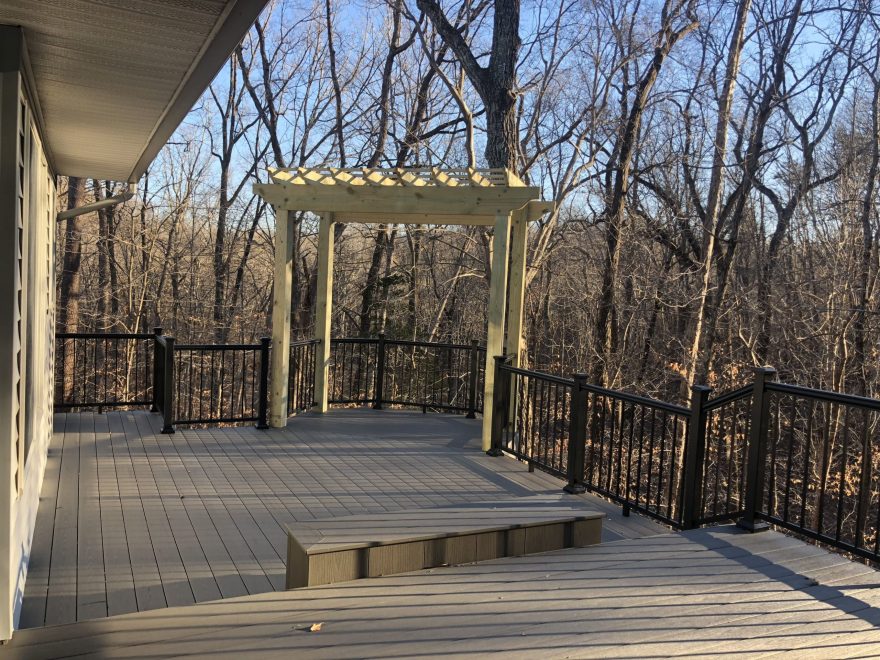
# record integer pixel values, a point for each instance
(484, 197)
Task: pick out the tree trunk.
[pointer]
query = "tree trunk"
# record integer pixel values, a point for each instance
(867, 251)
(711, 224)
(615, 209)
(71, 286)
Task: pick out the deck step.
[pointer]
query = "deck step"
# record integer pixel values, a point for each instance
(370, 545)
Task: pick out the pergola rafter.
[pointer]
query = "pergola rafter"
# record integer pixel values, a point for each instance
(481, 197)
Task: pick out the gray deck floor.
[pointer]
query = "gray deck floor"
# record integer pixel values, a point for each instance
(698, 594)
(133, 520)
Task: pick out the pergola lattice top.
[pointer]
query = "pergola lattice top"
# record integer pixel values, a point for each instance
(399, 176)
(406, 195)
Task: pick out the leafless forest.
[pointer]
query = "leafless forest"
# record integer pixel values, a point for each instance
(714, 163)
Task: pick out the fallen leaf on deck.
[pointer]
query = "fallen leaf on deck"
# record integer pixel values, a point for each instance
(316, 627)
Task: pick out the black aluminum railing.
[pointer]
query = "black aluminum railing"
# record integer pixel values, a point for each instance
(624, 447)
(199, 384)
(301, 376)
(220, 383)
(352, 371)
(799, 458)
(724, 465)
(819, 467)
(426, 375)
(535, 425)
(432, 376)
(106, 370)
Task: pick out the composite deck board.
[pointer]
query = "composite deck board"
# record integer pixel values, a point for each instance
(222, 498)
(144, 565)
(134, 520)
(217, 496)
(157, 487)
(199, 572)
(252, 519)
(91, 590)
(121, 596)
(696, 594)
(33, 612)
(213, 548)
(61, 598)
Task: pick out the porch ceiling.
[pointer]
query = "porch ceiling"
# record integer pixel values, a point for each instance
(114, 78)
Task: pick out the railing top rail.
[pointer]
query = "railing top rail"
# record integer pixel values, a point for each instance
(540, 375)
(640, 400)
(825, 395)
(432, 344)
(401, 342)
(104, 335)
(727, 397)
(604, 391)
(217, 347)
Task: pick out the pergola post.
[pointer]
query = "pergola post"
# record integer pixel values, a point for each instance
(519, 233)
(497, 306)
(412, 196)
(281, 317)
(323, 310)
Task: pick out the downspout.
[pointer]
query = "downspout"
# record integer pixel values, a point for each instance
(121, 198)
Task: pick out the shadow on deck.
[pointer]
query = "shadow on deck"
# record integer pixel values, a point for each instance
(133, 520)
(705, 593)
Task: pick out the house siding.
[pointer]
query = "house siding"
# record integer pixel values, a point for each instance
(27, 301)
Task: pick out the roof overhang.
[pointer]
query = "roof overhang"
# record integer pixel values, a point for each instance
(113, 80)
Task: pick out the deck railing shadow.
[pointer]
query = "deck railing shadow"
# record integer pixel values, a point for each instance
(833, 595)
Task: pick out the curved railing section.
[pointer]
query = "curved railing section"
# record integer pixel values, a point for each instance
(725, 459)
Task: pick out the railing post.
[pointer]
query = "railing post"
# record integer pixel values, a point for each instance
(473, 374)
(263, 404)
(168, 387)
(379, 390)
(499, 405)
(577, 437)
(154, 407)
(694, 456)
(757, 451)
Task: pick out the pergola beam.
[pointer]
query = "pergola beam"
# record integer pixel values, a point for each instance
(437, 200)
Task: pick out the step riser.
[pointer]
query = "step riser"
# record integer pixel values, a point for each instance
(309, 570)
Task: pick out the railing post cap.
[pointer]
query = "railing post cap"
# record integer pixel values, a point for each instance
(580, 377)
(157, 330)
(701, 389)
(766, 371)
